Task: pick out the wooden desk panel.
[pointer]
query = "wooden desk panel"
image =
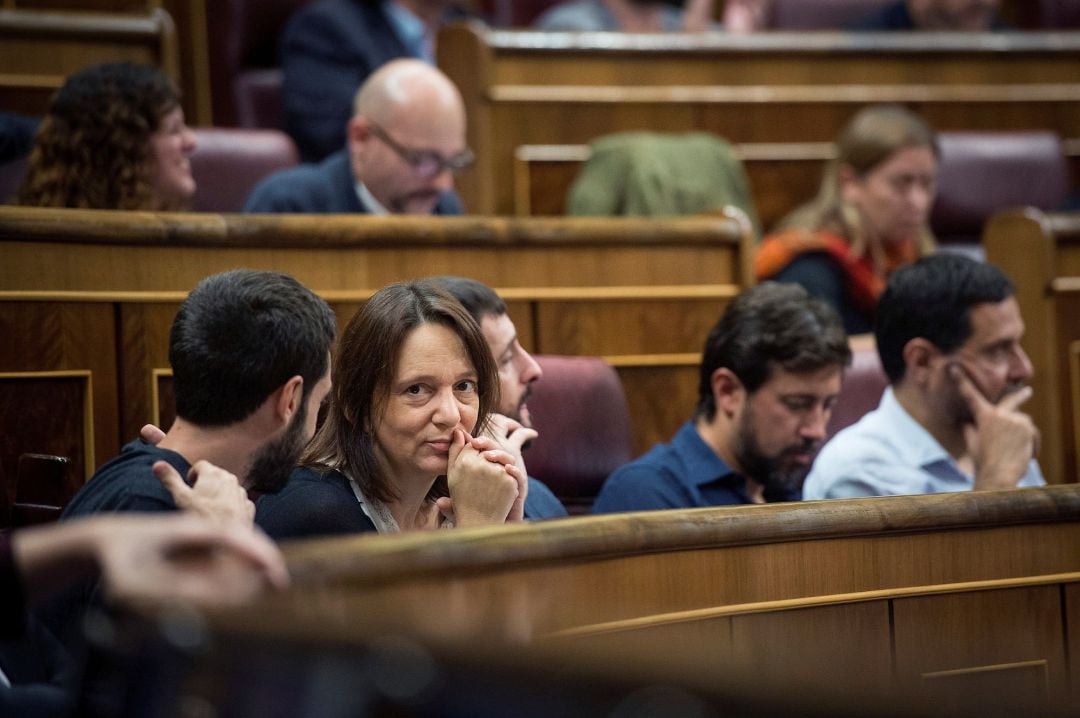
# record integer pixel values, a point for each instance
(67, 351)
(1041, 253)
(525, 88)
(968, 588)
(641, 293)
(1006, 644)
(40, 48)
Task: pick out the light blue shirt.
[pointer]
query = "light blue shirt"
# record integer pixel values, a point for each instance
(411, 31)
(887, 453)
(593, 16)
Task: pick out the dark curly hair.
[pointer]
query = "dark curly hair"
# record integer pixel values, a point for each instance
(93, 148)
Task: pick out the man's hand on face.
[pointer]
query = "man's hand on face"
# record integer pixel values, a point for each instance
(1001, 439)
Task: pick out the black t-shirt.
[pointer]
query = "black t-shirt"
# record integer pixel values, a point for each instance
(312, 504)
(127, 483)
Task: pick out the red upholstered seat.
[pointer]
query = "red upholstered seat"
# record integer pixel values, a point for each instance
(228, 163)
(820, 14)
(985, 172)
(513, 13)
(580, 410)
(864, 383)
(1059, 14)
(242, 40)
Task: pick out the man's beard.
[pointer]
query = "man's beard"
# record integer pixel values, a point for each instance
(516, 413)
(272, 464)
(778, 475)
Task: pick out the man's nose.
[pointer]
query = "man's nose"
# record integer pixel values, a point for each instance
(816, 424)
(443, 181)
(1020, 369)
(530, 370)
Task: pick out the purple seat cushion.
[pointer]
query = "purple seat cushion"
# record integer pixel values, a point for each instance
(985, 172)
(228, 163)
(580, 410)
(864, 383)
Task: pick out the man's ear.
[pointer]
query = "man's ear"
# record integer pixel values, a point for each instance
(358, 130)
(728, 392)
(920, 359)
(289, 397)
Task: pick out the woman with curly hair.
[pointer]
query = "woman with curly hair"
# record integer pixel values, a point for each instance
(114, 138)
(871, 215)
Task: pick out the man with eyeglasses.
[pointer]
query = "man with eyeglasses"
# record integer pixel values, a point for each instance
(405, 142)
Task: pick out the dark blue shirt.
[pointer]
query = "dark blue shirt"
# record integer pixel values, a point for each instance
(127, 483)
(541, 503)
(895, 17)
(685, 473)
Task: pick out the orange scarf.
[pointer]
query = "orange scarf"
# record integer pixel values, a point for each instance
(864, 285)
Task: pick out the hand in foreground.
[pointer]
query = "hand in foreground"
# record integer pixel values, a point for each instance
(745, 16)
(151, 558)
(697, 15)
(213, 493)
(189, 559)
(483, 483)
(1002, 440)
(510, 436)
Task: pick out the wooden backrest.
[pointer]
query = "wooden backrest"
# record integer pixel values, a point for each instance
(953, 597)
(980, 173)
(40, 48)
(1041, 253)
(772, 89)
(88, 292)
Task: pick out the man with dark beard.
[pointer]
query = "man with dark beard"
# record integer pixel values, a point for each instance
(948, 333)
(770, 373)
(511, 427)
(250, 353)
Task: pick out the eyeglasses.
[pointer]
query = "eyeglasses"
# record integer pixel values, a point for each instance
(425, 163)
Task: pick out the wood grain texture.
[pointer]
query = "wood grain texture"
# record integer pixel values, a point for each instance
(567, 89)
(62, 336)
(1041, 253)
(881, 596)
(617, 288)
(40, 48)
(990, 641)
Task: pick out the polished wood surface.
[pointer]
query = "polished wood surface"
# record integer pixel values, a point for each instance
(528, 88)
(40, 48)
(1041, 253)
(954, 596)
(641, 294)
(782, 176)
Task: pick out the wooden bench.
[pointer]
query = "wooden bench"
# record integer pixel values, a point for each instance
(39, 49)
(948, 598)
(89, 297)
(772, 92)
(1041, 253)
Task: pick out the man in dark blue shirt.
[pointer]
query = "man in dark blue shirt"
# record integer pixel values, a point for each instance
(934, 15)
(250, 353)
(404, 143)
(770, 374)
(512, 425)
